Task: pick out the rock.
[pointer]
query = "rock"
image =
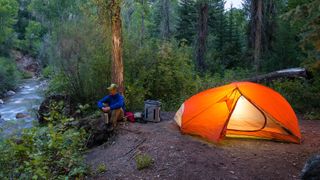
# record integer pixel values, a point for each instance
(22, 115)
(97, 129)
(10, 93)
(311, 169)
(26, 62)
(44, 109)
(1, 102)
(32, 67)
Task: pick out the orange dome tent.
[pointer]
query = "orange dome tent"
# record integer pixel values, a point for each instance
(240, 109)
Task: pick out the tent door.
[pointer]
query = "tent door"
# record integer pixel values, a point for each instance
(246, 117)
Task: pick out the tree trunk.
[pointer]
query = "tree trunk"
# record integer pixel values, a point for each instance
(258, 23)
(165, 24)
(117, 63)
(202, 35)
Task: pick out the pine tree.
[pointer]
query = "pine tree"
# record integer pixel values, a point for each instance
(262, 26)
(163, 20)
(230, 54)
(186, 28)
(217, 22)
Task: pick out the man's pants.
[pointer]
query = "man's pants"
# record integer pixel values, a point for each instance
(114, 116)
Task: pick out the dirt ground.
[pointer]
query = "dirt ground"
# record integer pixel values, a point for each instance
(178, 156)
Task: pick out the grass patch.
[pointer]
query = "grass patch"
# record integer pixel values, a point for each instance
(102, 168)
(143, 161)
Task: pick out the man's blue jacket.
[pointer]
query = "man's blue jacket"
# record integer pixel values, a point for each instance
(114, 101)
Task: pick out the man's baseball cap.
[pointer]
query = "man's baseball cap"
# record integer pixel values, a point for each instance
(112, 86)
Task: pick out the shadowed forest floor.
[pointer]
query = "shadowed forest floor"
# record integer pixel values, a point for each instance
(178, 156)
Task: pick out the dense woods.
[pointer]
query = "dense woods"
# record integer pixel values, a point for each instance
(149, 45)
(155, 49)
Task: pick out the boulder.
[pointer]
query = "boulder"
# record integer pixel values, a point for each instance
(45, 107)
(1, 102)
(98, 131)
(25, 62)
(22, 115)
(10, 93)
(311, 169)
(34, 67)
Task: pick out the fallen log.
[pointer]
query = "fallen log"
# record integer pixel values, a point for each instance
(285, 73)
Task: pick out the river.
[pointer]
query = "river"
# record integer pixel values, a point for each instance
(26, 101)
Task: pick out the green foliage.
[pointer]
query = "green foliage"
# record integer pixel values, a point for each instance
(8, 13)
(172, 71)
(22, 19)
(210, 81)
(48, 152)
(8, 75)
(80, 58)
(102, 168)
(58, 84)
(135, 96)
(304, 96)
(143, 161)
(286, 52)
(48, 72)
(186, 22)
(82, 68)
(33, 38)
(159, 71)
(26, 75)
(306, 16)
(55, 11)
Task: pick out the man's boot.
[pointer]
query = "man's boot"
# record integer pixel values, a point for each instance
(107, 122)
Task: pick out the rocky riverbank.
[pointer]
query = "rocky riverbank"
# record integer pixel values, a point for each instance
(22, 105)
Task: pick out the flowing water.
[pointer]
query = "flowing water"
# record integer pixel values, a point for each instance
(26, 101)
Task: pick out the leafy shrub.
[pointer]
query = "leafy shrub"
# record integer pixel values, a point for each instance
(134, 97)
(58, 84)
(81, 69)
(48, 72)
(49, 152)
(303, 95)
(210, 81)
(8, 75)
(162, 71)
(26, 75)
(143, 161)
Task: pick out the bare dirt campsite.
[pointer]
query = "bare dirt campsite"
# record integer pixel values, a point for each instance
(83, 84)
(178, 156)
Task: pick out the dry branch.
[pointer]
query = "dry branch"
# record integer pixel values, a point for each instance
(285, 73)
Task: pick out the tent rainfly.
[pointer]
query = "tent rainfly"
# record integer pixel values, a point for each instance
(241, 109)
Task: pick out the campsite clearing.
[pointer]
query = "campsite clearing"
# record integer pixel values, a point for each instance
(178, 156)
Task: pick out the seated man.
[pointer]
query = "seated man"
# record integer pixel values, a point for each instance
(112, 105)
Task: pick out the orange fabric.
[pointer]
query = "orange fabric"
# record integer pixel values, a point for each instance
(207, 114)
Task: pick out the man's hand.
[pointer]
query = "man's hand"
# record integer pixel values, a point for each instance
(106, 109)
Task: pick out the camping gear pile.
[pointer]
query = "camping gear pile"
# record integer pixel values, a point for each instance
(152, 109)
